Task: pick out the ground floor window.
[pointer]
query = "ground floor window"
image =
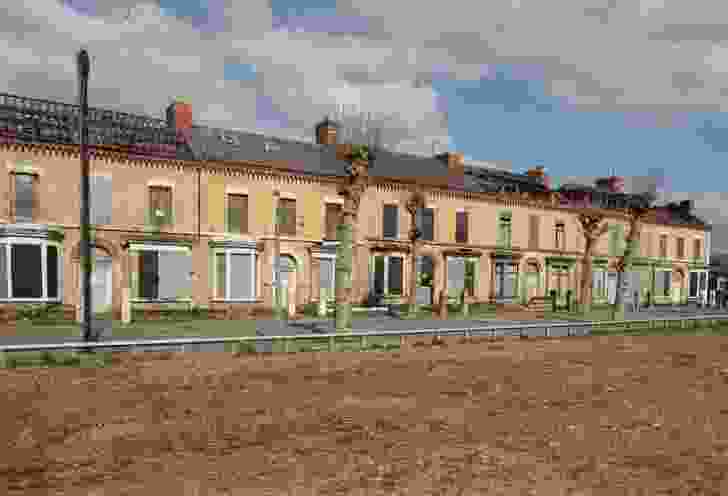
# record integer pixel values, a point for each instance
(388, 275)
(663, 282)
(164, 273)
(693, 284)
(505, 280)
(235, 275)
(599, 283)
(30, 269)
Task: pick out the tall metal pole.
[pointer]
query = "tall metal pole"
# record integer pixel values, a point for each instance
(84, 67)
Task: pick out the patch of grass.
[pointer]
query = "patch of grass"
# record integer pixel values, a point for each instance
(21, 359)
(658, 328)
(138, 329)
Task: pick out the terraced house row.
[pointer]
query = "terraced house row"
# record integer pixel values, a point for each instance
(184, 214)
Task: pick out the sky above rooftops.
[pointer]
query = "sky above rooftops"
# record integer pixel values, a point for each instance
(583, 88)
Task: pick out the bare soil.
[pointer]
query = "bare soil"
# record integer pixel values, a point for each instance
(577, 416)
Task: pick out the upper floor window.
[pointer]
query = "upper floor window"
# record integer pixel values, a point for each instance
(680, 247)
(237, 213)
(697, 248)
(461, 227)
(533, 228)
(663, 245)
(101, 202)
(333, 219)
(287, 216)
(160, 204)
(390, 221)
(559, 236)
(504, 229)
(426, 223)
(24, 197)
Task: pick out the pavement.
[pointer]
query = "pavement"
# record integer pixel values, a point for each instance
(269, 327)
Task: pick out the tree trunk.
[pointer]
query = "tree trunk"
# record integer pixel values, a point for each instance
(343, 283)
(585, 290)
(412, 300)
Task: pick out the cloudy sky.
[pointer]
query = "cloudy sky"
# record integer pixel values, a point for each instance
(638, 87)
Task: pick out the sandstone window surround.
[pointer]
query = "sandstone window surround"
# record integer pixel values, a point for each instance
(31, 270)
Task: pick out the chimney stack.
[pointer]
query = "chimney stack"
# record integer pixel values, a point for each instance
(455, 162)
(612, 184)
(326, 132)
(179, 118)
(540, 172)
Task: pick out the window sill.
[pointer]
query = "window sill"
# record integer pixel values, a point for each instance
(162, 300)
(253, 300)
(30, 300)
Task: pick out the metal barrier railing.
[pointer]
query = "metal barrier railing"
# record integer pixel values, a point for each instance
(362, 335)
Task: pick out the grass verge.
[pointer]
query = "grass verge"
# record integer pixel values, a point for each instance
(54, 359)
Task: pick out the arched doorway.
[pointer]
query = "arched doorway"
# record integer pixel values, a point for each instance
(532, 280)
(288, 268)
(678, 283)
(103, 278)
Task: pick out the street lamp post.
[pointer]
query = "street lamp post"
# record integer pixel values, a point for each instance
(84, 67)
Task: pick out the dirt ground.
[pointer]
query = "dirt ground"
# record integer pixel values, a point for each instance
(576, 416)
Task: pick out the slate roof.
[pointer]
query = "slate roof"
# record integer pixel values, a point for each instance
(33, 120)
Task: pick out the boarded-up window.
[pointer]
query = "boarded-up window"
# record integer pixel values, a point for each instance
(697, 248)
(533, 225)
(237, 214)
(390, 224)
(395, 275)
(680, 247)
(326, 273)
(287, 211)
(101, 200)
(333, 219)
(242, 276)
(426, 223)
(160, 204)
(24, 197)
(27, 272)
(461, 227)
(663, 245)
